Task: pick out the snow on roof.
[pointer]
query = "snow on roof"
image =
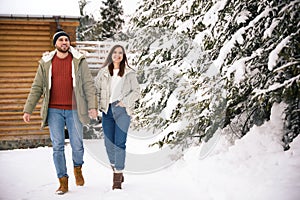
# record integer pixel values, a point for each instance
(40, 8)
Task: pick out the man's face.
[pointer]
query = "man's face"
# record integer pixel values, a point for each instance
(63, 44)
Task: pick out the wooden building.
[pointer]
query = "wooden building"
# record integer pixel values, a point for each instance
(24, 37)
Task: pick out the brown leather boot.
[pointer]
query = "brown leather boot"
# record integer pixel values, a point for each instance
(63, 188)
(118, 179)
(78, 176)
(114, 169)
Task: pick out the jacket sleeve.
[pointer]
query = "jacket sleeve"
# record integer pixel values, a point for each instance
(36, 92)
(97, 85)
(88, 86)
(131, 96)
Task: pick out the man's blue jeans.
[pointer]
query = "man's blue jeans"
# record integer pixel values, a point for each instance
(57, 119)
(115, 126)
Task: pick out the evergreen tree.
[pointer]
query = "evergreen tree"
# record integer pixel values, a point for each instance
(112, 20)
(206, 65)
(89, 28)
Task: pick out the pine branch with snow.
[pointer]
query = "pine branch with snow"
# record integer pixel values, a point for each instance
(205, 64)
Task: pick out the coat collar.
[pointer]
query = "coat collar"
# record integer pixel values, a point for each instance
(47, 56)
(107, 74)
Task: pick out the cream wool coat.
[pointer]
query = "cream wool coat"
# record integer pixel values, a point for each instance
(130, 89)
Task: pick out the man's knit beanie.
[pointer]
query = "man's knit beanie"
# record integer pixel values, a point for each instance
(59, 33)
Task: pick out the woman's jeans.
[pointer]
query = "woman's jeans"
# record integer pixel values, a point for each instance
(115, 126)
(57, 119)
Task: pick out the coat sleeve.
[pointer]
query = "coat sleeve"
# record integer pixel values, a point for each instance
(88, 86)
(131, 96)
(97, 84)
(36, 92)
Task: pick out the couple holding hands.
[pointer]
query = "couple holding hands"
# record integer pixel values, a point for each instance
(71, 97)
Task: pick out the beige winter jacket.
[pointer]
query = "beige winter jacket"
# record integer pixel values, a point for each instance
(130, 89)
(83, 86)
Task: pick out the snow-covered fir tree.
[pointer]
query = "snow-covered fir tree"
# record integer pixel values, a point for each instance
(89, 29)
(112, 21)
(108, 26)
(206, 65)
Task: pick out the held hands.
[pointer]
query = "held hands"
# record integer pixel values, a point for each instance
(93, 113)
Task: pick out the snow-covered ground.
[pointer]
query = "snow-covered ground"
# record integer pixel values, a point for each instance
(254, 168)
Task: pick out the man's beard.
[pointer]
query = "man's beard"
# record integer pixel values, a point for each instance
(63, 50)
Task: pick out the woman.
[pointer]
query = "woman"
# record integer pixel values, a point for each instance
(117, 90)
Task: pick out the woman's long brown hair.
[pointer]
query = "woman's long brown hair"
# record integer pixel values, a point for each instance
(108, 62)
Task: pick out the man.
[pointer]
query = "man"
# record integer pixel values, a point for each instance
(64, 80)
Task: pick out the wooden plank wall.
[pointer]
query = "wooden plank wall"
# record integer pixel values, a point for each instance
(22, 43)
(21, 46)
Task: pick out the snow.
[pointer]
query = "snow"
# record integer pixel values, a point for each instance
(268, 32)
(273, 57)
(237, 37)
(239, 68)
(211, 16)
(254, 167)
(130, 6)
(151, 97)
(171, 105)
(243, 16)
(184, 26)
(185, 8)
(285, 66)
(275, 86)
(228, 46)
(93, 8)
(201, 37)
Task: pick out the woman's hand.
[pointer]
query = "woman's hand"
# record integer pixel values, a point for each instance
(120, 104)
